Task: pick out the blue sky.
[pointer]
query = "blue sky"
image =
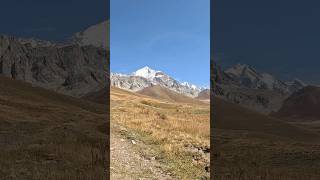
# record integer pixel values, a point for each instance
(280, 37)
(168, 35)
(54, 20)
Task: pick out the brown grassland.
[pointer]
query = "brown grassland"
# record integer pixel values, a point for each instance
(252, 146)
(176, 134)
(45, 135)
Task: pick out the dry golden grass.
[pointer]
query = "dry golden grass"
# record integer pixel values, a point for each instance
(176, 130)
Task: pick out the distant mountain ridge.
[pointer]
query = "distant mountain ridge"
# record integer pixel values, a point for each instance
(146, 77)
(303, 104)
(244, 85)
(249, 77)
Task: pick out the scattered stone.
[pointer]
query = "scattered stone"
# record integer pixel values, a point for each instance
(133, 142)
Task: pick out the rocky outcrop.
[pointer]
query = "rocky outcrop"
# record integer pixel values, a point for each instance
(127, 82)
(71, 69)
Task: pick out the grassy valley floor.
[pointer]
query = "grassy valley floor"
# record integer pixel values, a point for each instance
(170, 138)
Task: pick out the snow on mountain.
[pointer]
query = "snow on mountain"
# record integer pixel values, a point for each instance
(145, 72)
(146, 77)
(189, 85)
(96, 35)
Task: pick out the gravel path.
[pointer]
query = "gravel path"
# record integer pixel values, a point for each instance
(127, 163)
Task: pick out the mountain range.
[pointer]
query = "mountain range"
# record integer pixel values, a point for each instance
(78, 67)
(147, 77)
(244, 85)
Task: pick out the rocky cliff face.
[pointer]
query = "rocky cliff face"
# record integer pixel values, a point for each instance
(127, 82)
(71, 69)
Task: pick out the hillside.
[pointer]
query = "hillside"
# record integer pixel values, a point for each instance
(248, 144)
(233, 117)
(100, 96)
(204, 95)
(303, 104)
(166, 94)
(45, 135)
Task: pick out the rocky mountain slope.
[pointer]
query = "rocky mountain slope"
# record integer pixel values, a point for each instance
(244, 85)
(204, 95)
(71, 68)
(146, 77)
(303, 104)
(247, 76)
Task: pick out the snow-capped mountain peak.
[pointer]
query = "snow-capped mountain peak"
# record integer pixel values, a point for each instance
(192, 86)
(146, 77)
(146, 72)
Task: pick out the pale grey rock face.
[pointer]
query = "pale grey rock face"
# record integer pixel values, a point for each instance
(70, 69)
(131, 83)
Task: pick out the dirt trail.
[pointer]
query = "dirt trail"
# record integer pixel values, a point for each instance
(128, 163)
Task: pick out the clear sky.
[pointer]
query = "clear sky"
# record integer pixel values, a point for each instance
(168, 35)
(281, 37)
(53, 20)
